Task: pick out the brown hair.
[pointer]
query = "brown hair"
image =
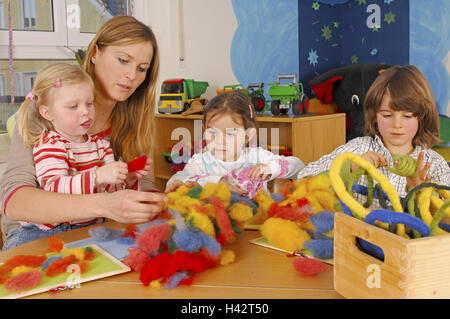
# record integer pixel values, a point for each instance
(131, 120)
(409, 91)
(234, 103)
(31, 124)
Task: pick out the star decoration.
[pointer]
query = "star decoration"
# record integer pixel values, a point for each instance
(375, 29)
(354, 59)
(388, 1)
(316, 6)
(313, 57)
(374, 52)
(326, 33)
(389, 17)
(360, 2)
(336, 24)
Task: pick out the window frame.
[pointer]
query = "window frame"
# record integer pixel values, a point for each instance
(54, 45)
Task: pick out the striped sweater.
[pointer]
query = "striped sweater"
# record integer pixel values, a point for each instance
(68, 167)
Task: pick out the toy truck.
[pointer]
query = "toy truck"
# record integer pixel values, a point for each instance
(177, 95)
(286, 96)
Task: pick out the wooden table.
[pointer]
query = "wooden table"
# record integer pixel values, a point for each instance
(257, 273)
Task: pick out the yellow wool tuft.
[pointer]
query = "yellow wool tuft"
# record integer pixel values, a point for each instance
(183, 203)
(321, 181)
(223, 193)
(264, 200)
(327, 198)
(300, 189)
(77, 252)
(20, 269)
(155, 283)
(208, 190)
(226, 257)
(202, 222)
(211, 209)
(241, 212)
(284, 234)
(314, 203)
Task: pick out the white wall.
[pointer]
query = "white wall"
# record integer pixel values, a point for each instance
(209, 26)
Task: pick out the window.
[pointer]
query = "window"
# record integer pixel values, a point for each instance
(2, 84)
(2, 15)
(43, 32)
(27, 15)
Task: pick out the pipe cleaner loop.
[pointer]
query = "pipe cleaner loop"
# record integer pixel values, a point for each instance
(355, 207)
(406, 165)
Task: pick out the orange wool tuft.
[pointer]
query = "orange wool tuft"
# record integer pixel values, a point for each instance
(54, 244)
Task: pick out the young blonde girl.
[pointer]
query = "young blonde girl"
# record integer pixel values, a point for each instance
(229, 123)
(54, 121)
(400, 118)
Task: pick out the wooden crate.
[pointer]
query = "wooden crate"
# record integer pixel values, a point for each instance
(412, 268)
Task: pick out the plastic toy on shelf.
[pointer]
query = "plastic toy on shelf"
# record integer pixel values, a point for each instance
(254, 90)
(287, 96)
(177, 95)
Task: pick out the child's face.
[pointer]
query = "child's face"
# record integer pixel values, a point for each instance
(397, 128)
(71, 111)
(224, 137)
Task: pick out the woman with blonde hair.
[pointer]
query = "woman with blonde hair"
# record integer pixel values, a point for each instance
(123, 62)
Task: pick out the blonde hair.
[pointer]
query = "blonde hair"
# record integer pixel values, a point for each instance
(131, 120)
(409, 91)
(31, 125)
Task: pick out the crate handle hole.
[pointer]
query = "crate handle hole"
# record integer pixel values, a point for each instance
(369, 248)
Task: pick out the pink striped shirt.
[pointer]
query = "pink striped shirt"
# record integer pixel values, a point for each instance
(68, 167)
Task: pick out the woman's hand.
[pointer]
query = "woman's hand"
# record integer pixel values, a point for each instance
(111, 173)
(133, 207)
(177, 183)
(421, 173)
(138, 175)
(262, 171)
(373, 158)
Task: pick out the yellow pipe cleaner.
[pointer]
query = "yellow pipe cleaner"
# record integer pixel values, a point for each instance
(354, 206)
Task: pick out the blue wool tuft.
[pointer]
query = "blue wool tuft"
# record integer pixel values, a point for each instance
(179, 221)
(48, 262)
(104, 234)
(320, 248)
(278, 197)
(175, 279)
(323, 221)
(317, 235)
(125, 240)
(211, 245)
(187, 240)
(236, 198)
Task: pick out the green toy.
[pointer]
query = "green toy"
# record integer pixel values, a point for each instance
(286, 96)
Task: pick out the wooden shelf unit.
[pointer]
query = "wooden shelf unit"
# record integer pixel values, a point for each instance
(309, 137)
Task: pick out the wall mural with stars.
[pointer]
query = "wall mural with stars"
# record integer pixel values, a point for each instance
(309, 37)
(339, 33)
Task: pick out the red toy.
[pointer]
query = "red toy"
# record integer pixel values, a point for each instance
(137, 164)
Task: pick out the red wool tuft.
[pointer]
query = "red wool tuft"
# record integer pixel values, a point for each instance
(154, 269)
(130, 231)
(24, 281)
(291, 213)
(54, 245)
(309, 266)
(150, 240)
(178, 259)
(222, 219)
(21, 260)
(60, 266)
(136, 259)
(187, 281)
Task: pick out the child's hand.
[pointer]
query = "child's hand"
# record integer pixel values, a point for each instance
(421, 173)
(138, 175)
(177, 183)
(373, 158)
(112, 173)
(259, 171)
